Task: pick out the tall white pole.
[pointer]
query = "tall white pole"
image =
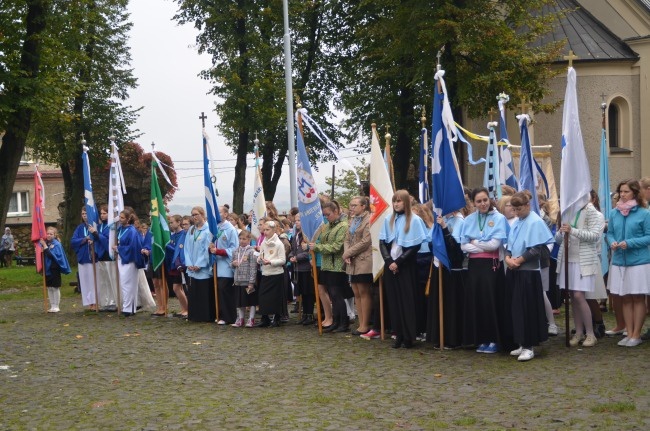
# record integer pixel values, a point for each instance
(289, 96)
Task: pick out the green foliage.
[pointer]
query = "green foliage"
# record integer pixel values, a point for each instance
(345, 185)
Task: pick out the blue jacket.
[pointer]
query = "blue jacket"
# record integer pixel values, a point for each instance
(635, 231)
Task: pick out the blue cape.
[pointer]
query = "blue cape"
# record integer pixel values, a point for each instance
(58, 255)
(495, 227)
(528, 233)
(416, 235)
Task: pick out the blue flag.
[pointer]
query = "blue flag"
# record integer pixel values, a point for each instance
(506, 168)
(311, 216)
(448, 194)
(211, 205)
(527, 170)
(89, 200)
(423, 172)
(604, 196)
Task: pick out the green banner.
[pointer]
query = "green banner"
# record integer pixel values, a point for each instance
(159, 227)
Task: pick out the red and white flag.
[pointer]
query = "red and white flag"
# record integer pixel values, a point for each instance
(381, 196)
(38, 218)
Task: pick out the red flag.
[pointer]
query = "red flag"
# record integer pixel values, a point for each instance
(38, 218)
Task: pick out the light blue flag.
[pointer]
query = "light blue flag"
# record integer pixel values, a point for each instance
(89, 200)
(311, 216)
(448, 194)
(604, 196)
(527, 170)
(491, 177)
(506, 168)
(211, 205)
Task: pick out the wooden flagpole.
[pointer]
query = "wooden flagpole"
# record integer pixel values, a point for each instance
(216, 291)
(92, 254)
(441, 312)
(566, 290)
(119, 287)
(314, 273)
(44, 280)
(382, 329)
(165, 288)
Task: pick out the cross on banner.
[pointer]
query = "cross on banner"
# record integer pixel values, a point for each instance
(202, 117)
(491, 112)
(524, 105)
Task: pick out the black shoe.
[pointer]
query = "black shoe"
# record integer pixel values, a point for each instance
(127, 314)
(333, 327)
(408, 344)
(398, 342)
(342, 329)
(265, 322)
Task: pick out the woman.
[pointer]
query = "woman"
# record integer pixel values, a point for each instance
(399, 241)
(585, 232)
(106, 282)
(130, 260)
(425, 270)
(7, 246)
(332, 274)
(301, 264)
(628, 236)
(453, 286)
(200, 295)
(526, 242)
(357, 255)
(271, 259)
(482, 236)
(81, 243)
(175, 262)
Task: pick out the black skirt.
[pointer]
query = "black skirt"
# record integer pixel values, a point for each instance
(361, 278)
(528, 313)
(245, 299)
(401, 292)
(483, 288)
(453, 300)
(200, 300)
(227, 299)
(271, 294)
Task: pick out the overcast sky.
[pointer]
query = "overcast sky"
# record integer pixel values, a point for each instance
(166, 64)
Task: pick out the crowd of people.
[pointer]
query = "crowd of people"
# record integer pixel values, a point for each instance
(505, 261)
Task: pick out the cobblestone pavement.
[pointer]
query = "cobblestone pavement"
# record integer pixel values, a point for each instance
(81, 371)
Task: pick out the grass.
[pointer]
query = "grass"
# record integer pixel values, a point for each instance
(616, 407)
(23, 282)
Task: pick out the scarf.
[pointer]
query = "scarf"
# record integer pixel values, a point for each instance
(625, 207)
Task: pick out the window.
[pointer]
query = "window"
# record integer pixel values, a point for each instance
(619, 126)
(19, 204)
(614, 119)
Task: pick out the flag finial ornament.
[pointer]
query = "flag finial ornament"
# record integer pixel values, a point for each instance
(83, 140)
(423, 118)
(203, 117)
(524, 106)
(503, 98)
(491, 113)
(387, 136)
(571, 57)
(438, 56)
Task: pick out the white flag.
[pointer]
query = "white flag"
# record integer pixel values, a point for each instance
(116, 189)
(575, 179)
(259, 201)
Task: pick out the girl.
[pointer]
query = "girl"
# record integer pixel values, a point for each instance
(482, 236)
(272, 259)
(332, 274)
(628, 235)
(357, 255)
(299, 259)
(399, 241)
(529, 235)
(82, 240)
(130, 260)
(245, 266)
(55, 264)
(175, 261)
(585, 232)
(200, 297)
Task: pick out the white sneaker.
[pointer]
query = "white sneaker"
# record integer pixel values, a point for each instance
(221, 322)
(53, 310)
(517, 352)
(552, 329)
(623, 342)
(633, 342)
(526, 355)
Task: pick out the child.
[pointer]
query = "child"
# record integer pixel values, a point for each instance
(55, 264)
(245, 266)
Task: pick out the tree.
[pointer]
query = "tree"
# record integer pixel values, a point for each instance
(22, 25)
(87, 63)
(387, 64)
(345, 185)
(244, 38)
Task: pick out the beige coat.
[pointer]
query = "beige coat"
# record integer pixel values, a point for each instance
(358, 247)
